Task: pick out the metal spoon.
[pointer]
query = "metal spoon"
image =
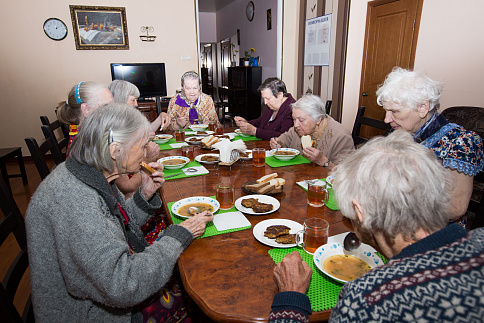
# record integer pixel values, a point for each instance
(351, 242)
(189, 169)
(193, 210)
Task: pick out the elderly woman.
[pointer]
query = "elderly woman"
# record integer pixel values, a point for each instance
(434, 272)
(411, 100)
(88, 259)
(275, 120)
(191, 104)
(331, 141)
(126, 92)
(82, 100)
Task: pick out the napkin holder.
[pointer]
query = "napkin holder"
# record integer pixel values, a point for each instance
(234, 157)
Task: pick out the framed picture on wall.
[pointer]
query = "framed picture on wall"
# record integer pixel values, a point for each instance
(99, 27)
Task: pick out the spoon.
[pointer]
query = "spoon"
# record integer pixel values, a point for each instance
(193, 210)
(351, 242)
(189, 169)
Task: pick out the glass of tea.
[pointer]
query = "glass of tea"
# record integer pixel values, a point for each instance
(259, 157)
(211, 125)
(314, 234)
(225, 195)
(180, 135)
(187, 151)
(317, 193)
(219, 129)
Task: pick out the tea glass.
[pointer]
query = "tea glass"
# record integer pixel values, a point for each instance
(180, 135)
(219, 129)
(225, 195)
(211, 125)
(317, 193)
(258, 157)
(187, 151)
(314, 234)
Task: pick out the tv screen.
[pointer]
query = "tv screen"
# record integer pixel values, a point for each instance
(150, 78)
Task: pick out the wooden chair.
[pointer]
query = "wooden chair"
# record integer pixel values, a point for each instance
(362, 120)
(12, 226)
(65, 128)
(5, 155)
(328, 106)
(58, 145)
(471, 118)
(38, 154)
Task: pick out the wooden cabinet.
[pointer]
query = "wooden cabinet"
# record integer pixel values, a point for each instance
(149, 110)
(243, 82)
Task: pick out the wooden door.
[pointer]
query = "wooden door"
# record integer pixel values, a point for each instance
(390, 40)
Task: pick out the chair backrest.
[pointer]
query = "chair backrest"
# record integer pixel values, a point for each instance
(38, 154)
(58, 146)
(362, 120)
(65, 128)
(13, 223)
(328, 106)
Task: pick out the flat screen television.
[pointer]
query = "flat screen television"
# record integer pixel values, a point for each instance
(150, 78)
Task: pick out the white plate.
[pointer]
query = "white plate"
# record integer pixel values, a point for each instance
(226, 134)
(161, 139)
(335, 247)
(262, 198)
(249, 152)
(199, 159)
(240, 133)
(284, 157)
(260, 228)
(187, 160)
(190, 140)
(208, 132)
(202, 199)
(198, 127)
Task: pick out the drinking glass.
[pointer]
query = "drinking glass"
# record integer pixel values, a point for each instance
(225, 195)
(211, 125)
(259, 157)
(219, 129)
(317, 193)
(180, 135)
(187, 151)
(314, 234)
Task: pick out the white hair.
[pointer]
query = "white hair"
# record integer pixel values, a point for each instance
(113, 122)
(122, 90)
(409, 89)
(312, 105)
(400, 185)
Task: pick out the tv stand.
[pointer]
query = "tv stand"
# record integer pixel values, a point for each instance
(153, 108)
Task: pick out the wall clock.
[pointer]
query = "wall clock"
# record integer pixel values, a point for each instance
(55, 29)
(250, 10)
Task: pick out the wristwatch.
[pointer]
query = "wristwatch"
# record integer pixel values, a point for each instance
(326, 164)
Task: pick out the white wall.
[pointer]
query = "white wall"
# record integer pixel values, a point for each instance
(36, 73)
(208, 27)
(450, 48)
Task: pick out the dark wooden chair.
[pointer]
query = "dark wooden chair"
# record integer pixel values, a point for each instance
(9, 153)
(39, 153)
(12, 226)
(58, 146)
(362, 120)
(471, 118)
(327, 107)
(46, 122)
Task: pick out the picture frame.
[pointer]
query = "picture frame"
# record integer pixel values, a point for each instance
(99, 27)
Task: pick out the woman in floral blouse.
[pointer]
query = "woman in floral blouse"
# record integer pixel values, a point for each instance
(191, 104)
(411, 100)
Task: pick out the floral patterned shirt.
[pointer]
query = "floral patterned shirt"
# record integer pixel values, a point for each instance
(204, 107)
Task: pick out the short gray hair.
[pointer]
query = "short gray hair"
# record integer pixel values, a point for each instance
(312, 105)
(190, 75)
(69, 112)
(400, 185)
(409, 89)
(122, 90)
(275, 85)
(113, 122)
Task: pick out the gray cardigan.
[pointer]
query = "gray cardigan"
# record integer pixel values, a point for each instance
(81, 267)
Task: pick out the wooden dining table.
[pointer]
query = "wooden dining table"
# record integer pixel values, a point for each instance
(230, 276)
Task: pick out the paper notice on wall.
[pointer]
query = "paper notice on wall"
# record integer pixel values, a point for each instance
(317, 41)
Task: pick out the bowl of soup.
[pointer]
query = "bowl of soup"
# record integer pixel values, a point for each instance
(173, 162)
(203, 203)
(284, 153)
(162, 139)
(198, 127)
(343, 266)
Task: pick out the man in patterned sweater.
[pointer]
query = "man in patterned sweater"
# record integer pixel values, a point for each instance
(435, 272)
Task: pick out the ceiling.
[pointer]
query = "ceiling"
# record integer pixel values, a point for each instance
(212, 5)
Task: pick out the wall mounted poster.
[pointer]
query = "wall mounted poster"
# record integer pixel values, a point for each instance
(317, 41)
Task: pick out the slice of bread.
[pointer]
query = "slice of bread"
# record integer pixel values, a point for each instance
(147, 168)
(267, 178)
(306, 141)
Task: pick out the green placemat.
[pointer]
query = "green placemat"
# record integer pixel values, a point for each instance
(331, 204)
(274, 162)
(323, 291)
(169, 172)
(166, 145)
(244, 138)
(210, 229)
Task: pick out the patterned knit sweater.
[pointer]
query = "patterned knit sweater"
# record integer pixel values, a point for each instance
(437, 279)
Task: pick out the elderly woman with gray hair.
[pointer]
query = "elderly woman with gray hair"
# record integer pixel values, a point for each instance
(191, 105)
(331, 141)
(127, 92)
(411, 101)
(89, 261)
(397, 196)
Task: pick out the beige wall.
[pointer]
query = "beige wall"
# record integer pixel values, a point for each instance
(36, 73)
(450, 48)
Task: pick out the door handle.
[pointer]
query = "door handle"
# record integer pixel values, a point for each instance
(364, 94)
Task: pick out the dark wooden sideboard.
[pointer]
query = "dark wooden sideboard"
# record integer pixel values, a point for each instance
(244, 98)
(149, 109)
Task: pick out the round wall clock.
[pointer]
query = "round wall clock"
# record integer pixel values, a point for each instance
(55, 29)
(250, 10)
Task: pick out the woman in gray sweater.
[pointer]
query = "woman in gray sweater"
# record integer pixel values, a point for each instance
(89, 261)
